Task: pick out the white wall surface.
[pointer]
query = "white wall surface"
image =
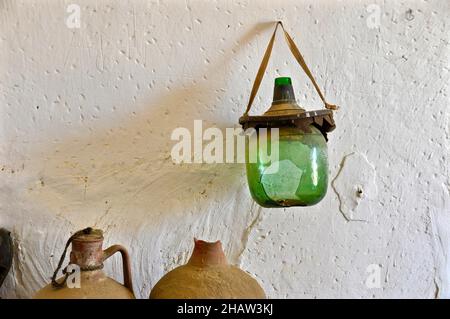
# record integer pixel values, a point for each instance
(86, 116)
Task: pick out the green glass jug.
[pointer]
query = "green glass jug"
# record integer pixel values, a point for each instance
(300, 177)
(298, 174)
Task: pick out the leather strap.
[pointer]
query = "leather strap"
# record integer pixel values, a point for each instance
(298, 56)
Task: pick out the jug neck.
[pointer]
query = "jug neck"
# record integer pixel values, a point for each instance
(283, 92)
(87, 252)
(283, 103)
(207, 254)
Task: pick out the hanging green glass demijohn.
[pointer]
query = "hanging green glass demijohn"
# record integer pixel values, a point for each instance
(299, 176)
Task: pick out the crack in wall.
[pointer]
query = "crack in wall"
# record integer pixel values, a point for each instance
(17, 272)
(436, 291)
(341, 167)
(246, 234)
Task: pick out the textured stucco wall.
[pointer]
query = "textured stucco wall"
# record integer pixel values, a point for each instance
(86, 116)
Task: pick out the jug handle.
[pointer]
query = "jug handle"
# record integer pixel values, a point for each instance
(125, 263)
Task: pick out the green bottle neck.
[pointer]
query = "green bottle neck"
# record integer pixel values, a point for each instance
(283, 92)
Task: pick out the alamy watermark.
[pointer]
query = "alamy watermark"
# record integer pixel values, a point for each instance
(263, 146)
(373, 21)
(74, 277)
(373, 280)
(73, 20)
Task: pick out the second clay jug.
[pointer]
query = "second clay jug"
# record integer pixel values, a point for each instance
(207, 275)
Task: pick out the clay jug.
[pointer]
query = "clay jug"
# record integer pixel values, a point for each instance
(88, 255)
(207, 275)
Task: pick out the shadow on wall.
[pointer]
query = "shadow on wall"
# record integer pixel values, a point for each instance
(134, 158)
(123, 180)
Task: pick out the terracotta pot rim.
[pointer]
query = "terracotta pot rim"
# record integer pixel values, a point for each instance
(201, 241)
(207, 253)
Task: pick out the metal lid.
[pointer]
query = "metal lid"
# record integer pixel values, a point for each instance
(89, 235)
(322, 119)
(283, 102)
(285, 111)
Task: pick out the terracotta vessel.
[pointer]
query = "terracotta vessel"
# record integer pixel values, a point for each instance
(88, 254)
(6, 253)
(207, 275)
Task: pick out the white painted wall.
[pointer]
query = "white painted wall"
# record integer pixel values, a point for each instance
(86, 116)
